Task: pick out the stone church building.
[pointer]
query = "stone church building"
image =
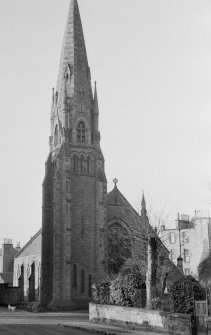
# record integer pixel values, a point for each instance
(85, 231)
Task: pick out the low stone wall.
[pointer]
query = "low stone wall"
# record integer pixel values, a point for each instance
(129, 316)
(9, 295)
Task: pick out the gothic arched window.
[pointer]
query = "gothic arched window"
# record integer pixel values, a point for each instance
(81, 132)
(90, 286)
(88, 164)
(56, 136)
(74, 275)
(119, 247)
(81, 163)
(82, 281)
(75, 163)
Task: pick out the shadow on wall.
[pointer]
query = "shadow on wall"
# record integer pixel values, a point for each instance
(205, 251)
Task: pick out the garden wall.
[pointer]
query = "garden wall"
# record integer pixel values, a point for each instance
(155, 320)
(9, 295)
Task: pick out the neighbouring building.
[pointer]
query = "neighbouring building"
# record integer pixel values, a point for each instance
(27, 269)
(190, 239)
(86, 232)
(7, 254)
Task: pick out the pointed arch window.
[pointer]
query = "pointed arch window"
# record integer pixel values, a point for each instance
(82, 281)
(81, 132)
(88, 164)
(90, 286)
(56, 136)
(75, 163)
(74, 275)
(81, 163)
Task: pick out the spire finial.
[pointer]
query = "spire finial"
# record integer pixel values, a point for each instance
(115, 181)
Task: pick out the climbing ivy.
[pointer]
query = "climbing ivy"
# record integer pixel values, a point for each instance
(184, 292)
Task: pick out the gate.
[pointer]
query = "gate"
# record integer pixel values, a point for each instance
(201, 314)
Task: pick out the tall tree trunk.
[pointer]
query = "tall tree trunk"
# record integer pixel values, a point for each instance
(151, 270)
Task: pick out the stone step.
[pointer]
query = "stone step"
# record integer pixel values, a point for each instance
(31, 306)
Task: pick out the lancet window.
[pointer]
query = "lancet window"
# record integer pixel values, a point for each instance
(81, 132)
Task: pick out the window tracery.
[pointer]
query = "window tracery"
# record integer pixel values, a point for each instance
(119, 247)
(81, 132)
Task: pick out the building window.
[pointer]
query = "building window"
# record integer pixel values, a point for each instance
(88, 164)
(81, 163)
(74, 275)
(81, 132)
(172, 238)
(185, 238)
(90, 286)
(187, 272)
(75, 163)
(173, 255)
(186, 256)
(56, 135)
(82, 281)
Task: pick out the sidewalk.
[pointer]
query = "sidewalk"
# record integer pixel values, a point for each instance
(108, 329)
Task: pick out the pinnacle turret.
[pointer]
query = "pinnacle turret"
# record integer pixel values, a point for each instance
(143, 205)
(96, 108)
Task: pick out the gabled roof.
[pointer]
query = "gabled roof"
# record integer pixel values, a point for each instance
(118, 206)
(29, 242)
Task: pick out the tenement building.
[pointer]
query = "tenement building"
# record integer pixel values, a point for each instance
(85, 232)
(190, 239)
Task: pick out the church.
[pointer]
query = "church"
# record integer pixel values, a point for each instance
(86, 232)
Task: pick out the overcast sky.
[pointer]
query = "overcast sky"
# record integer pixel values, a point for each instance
(152, 63)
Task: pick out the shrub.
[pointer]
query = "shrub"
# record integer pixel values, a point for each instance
(155, 304)
(184, 291)
(102, 295)
(121, 290)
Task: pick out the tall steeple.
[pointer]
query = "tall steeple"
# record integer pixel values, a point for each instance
(74, 253)
(73, 95)
(74, 72)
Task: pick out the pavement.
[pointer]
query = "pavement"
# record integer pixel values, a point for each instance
(76, 320)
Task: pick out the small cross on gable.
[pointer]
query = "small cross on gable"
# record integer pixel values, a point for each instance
(115, 181)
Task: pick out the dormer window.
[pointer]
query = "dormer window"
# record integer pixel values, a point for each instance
(81, 132)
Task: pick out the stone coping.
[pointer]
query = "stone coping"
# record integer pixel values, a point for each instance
(151, 311)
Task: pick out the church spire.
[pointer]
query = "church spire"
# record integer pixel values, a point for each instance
(74, 69)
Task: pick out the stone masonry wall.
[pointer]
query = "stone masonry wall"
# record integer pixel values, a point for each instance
(178, 324)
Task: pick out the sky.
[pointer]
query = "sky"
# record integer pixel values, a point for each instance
(152, 63)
